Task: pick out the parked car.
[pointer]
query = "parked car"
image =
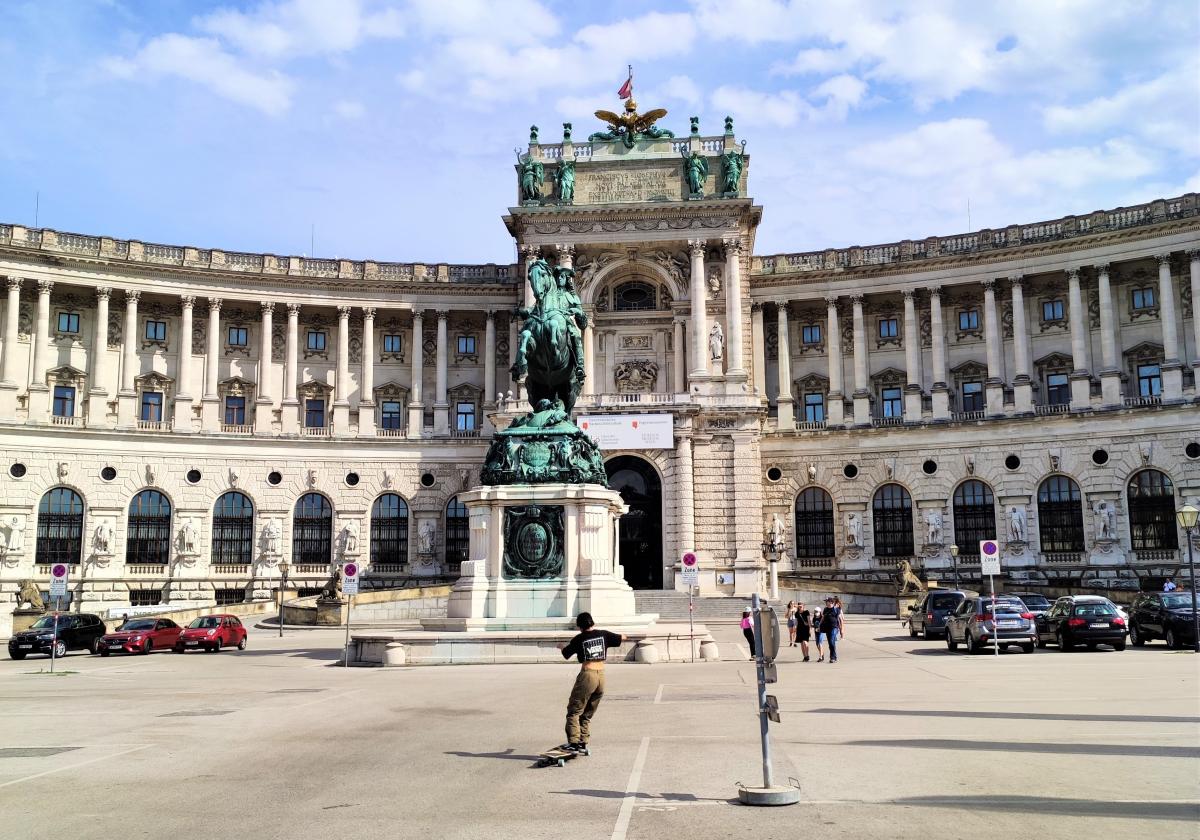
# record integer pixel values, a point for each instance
(76, 631)
(1082, 619)
(141, 635)
(927, 617)
(211, 633)
(1037, 604)
(1162, 615)
(980, 620)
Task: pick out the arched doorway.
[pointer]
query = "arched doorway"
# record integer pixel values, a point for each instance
(640, 546)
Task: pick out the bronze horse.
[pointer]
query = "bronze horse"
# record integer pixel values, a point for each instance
(550, 345)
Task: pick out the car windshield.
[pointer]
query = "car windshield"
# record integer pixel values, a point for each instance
(1176, 600)
(206, 621)
(1035, 600)
(1095, 610)
(46, 622)
(944, 602)
(1005, 605)
(139, 624)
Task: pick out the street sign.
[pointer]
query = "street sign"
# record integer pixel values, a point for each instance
(690, 573)
(989, 557)
(58, 580)
(770, 633)
(350, 579)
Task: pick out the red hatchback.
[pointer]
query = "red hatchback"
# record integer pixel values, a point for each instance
(140, 635)
(211, 633)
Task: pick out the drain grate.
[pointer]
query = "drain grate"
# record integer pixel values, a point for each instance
(199, 713)
(295, 691)
(34, 752)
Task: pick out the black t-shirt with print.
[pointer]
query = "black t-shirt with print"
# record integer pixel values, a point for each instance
(591, 645)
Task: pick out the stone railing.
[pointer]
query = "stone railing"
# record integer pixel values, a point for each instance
(909, 250)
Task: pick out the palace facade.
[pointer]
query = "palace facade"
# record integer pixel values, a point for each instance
(176, 423)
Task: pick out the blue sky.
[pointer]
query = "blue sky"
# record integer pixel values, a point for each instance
(390, 126)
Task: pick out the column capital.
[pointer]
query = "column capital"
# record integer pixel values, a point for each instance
(214, 304)
(132, 296)
(831, 301)
(490, 313)
(1101, 268)
(418, 315)
(443, 314)
(530, 252)
(45, 287)
(989, 286)
(1193, 254)
(734, 244)
(934, 292)
(696, 247)
(1073, 275)
(565, 249)
(782, 305)
(344, 312)
(857, 299)
(267, 306)
(293, 310)
(369, 313)
(1163, 259)
(13, 283)
(756, 305)
(1016, 281)
(103, 292)
(909, 294)
(187, 301)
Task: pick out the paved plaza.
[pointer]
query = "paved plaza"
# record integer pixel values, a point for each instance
(900, 739)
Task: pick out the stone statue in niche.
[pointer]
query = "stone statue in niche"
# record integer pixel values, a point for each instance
(854, 529)
(426, 535)
(1016, 524)
(775, 535)
(350, 537)
(714, 283)
(16, 534)
(716, 343)
(186, 541)
(272, 535)
(1106, 520)
(102, 538)
(564, 179)
(933, 527)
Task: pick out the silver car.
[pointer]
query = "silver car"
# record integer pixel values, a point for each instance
(979, 622)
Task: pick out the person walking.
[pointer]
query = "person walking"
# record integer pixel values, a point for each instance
(748, 630)
(791, 623)
(831, 626)
(818, 637)
(591, 646)
(1169, 586)
(803, 628)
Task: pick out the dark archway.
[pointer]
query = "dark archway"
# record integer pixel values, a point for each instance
(640, 547)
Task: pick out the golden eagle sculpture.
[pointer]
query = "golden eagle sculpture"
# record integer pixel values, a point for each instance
(631, 125)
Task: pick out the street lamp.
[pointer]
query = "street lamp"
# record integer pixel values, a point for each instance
(771, 550)
(1186, 517)
(954, 561)
(283, 570)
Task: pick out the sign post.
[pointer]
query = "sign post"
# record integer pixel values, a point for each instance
(690, 575)
(766, 648)
(349, 589)
(59, 573)
(989, 564)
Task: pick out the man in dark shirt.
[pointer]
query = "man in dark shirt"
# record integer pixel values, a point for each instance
(591, 647)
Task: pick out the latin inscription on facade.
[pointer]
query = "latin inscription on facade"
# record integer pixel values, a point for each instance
(614, 187)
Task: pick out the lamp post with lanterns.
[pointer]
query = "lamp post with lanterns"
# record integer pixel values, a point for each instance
(1186, 517)
(954, 561)
(771, 550)
(283, 573)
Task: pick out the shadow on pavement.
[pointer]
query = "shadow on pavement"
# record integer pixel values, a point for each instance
(1180, 811)
(320, 654)
(1033, 747)
(1009, 715)
(942, 650)
(651, 798)
(508, 753)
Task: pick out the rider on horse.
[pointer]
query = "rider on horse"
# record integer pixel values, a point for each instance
(557, 316)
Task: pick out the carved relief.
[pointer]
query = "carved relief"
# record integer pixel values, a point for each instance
(636, 342)
(636, 375)
(278, 343)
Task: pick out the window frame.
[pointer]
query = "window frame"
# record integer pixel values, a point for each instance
(64, 397)
(239, 415)
(237, 336)
(159, 331)
(72, 322)
(310, 409)
(892, 521)
(813, 527)
(153, 400)
(810, 334)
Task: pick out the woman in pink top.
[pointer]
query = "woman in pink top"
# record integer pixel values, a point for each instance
(748, 630)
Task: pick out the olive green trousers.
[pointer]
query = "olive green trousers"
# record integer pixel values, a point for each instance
(585, 697)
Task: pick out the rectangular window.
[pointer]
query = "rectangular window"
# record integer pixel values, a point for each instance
(239, 337)
(1058, 391)
(1149, 380)
(235, 411)
(145, 597)
(893, 405)
(156, 330)
(1143, 298)
(316, 340)
(230, 596)
(466, 345)
(968, 319)
(972, 396)
(390, 416)
(810, 334)
(64, 401)
(814, 408)
(68, 322)
(314, 414)
(888, 327)
(464, 416)
(1052, 310)
(391, 344)
(152, 405)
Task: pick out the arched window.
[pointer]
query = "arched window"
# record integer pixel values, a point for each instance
(389, 530)
(634, 296)
(60, 527)
(974, 516)
(1060, 516)
(149, 535)
(892, 523)
(814, 524)
(233, 530)
(312, 531)
(458, 534)
(1152, 512)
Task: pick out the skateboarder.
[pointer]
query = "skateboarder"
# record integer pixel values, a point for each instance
(591, 646)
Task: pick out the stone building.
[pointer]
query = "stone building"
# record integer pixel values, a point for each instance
(176, 421)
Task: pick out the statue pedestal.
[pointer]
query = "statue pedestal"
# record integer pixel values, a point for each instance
(24, 619)
(330, 612)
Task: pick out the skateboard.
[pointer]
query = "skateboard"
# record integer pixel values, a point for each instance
(558, 756)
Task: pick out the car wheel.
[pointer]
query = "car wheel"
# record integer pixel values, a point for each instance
(972, 645)
(1172, 642)
(242, 644)
(912, 631)
(147, 647)
(928, 633)
(950, 643)
(17, 655)
(95, 647)
(177, 649)
(60, 649)
(216, 648)
(1062, 642)
(104, 653)
(1041, 642)
(1118, 646)
(1091, 645)
(1135, 635)
(1027, 648)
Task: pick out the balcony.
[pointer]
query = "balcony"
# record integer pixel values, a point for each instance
(1063, 557)
(316, 431)
(810, 425)
(887, 421)
(389, 433)
(814, 563)
(964, 416)
(147, 570)
(1141, 402)
(468, 434)
(58, 420)
(602, 400)
(1054, 408)
(237, 429)
(154, 425)
(387, 569)
(231, 568)
(321, 569)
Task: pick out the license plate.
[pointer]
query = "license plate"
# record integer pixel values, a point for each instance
(114, 644)
(25, 647)
(1100, 624)
(192, 644)
(1009, 624)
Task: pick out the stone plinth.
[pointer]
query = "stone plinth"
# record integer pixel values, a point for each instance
(24, 619)
(330, 612)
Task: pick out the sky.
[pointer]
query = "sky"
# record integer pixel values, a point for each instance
(385, 129)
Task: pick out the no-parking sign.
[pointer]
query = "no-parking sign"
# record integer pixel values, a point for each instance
(989, 557)
(690, 573)
(350, 579)
(58, 580)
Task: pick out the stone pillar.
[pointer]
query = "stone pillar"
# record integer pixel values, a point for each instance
(994, 386)
(529, 254)
(1172, 367)
(127, 415)
(785, 410)
(39, 392)
(685, 482)
(835, 403)
(862, 397)
(416, 410)
(1110, 372)
(512, 355)
(735, 363)
(680, 358)
(698, 293)
(8, 363)
(1022, 382)
(660, 358)
(912, 360)
(940, 389)
(182, 408)
(758, 336)
(589, 357)
(98, 390)
(566, 255)
(366, 382)
(341, 388)
(489, 357)
(1194, 262)
(211, 404)
(290, 404)
(1081, 398)
(441, 404)
(263, 404)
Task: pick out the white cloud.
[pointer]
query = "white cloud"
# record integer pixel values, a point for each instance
(816, 60)
(300, 27)
(755, 108)
(841, 93)
(349, 109)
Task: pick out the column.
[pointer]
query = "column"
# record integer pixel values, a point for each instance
(758, 346)
(862, 397)
(182, 408)
(686, 483)
(98, 387)
(1110, 372)
(513, 387)
(589, 357)
(835, 403)
(698, 294)
(735, 363)
(263, 404)
(785, 411)
(416, 410)
(660, 358)
(940, 389)
(529, 253)
(994, 386)
(441, 404)
(912, 360)
(489, 357)
(1080, 379)
(1194, 261)
(1172, 368)
(39, 393)
(290, 404)
(211, 404)
(679, 360)
(341, 388)
(8, 363)
(1022, 382)
(366, 381)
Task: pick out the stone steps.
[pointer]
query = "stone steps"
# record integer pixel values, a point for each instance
(673, 606)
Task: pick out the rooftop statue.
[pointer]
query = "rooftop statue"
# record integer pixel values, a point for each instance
(631, 125)
(533, 172)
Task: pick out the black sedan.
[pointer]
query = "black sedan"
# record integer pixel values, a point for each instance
(1082, 620)
(78, 631)
(1162, 615)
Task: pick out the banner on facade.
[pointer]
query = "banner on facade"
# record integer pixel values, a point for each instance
(629, 431)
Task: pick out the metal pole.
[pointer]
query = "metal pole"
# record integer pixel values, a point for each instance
(995, 616)
(1195, 615)
(768, 779)
(54, 637)
(282, 590)
(691, 623)
(349, 607)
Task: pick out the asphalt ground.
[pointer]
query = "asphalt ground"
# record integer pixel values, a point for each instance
(899, 739)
